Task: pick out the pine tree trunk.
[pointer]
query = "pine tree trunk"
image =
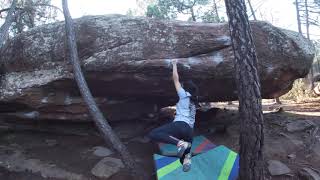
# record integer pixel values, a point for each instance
(4, 30)
(101, 123)
(306, 80)
(215, 8)
(193, 15)
(307, 18)
(298, 17)
(308, 36)
(248, 86)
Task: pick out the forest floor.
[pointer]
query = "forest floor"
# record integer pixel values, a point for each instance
(65, 150)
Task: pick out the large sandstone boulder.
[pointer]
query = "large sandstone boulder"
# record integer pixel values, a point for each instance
(127, 65)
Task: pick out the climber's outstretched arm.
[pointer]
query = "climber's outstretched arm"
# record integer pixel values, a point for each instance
(175, 75)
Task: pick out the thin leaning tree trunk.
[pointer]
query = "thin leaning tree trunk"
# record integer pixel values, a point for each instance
(4, 30)
(248, 86)
(252, 11)
(102, 124)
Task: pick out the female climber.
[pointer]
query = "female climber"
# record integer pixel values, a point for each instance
(179, 132)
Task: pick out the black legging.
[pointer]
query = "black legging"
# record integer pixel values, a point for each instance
(178, 129)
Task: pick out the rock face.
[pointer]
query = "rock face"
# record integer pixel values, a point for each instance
(127, 65)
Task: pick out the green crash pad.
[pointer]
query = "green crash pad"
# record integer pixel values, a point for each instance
(219, 163)
(199, 144)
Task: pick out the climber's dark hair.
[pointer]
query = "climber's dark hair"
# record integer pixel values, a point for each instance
(193, 89)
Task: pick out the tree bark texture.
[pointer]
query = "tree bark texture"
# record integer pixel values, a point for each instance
(248, 86)
(102, 124)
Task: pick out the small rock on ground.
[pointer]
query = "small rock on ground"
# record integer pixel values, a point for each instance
(107, 167)
(51, 142)
(102, 151)
(276, 167)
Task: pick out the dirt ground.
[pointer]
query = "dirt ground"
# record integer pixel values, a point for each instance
(72, 147)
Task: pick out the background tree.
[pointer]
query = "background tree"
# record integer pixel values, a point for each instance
(308, 36)
(4, 30)
(161, 10)
(102, 124)
(248, 86)
(212, 15)
(30, 13)
(142, 6)
(308, 15)
(298, 16)
(169, 9)
(252, 11)
(195, 10)
(308, 11)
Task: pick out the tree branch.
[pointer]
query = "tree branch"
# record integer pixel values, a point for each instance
(7, 9)
(9, 19)
(49, 5)
(24, 8)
